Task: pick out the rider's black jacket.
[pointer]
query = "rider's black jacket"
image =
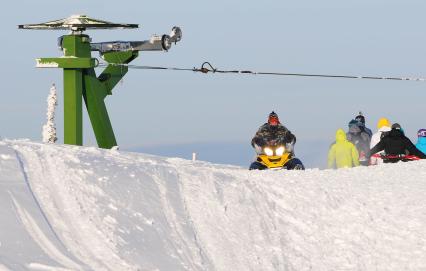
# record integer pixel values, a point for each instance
(395, 142)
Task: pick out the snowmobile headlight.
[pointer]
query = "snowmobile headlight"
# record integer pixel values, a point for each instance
(280, 151)
(268, 151)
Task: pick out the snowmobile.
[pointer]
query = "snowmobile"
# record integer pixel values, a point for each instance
(276, 156)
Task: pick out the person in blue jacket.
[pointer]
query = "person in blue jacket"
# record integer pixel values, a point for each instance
(421, 142)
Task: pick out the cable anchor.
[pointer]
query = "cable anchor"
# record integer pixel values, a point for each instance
(203, 69)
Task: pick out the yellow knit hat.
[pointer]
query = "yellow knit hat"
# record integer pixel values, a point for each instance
(383, 122)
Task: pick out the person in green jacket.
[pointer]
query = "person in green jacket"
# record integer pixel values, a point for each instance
(342, 153)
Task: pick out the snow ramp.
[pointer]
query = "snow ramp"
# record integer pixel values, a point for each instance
(78, 208)
(27, 239)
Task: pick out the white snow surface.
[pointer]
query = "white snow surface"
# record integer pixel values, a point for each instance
(83, 208)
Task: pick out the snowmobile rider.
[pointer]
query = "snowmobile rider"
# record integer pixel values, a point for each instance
(343, 153)
(274, 133)
(273, 130)
(396, 146)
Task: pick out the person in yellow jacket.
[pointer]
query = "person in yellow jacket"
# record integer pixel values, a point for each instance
(342, 153)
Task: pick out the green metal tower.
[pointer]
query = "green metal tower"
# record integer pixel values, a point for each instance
(80, 80)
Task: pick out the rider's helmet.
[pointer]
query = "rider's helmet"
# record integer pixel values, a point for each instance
(383, 122)
(396, 126)
(360, 118)
(273, 119)
(421, 133)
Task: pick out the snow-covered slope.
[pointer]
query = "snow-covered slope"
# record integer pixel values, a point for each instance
(76, 208)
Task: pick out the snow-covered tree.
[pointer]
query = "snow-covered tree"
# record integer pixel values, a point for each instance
(49, 129)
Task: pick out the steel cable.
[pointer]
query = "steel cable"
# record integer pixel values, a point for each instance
(206, 67)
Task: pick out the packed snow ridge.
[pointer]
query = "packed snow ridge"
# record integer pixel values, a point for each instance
(84, 208)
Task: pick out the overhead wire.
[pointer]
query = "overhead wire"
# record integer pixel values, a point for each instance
(206, 67)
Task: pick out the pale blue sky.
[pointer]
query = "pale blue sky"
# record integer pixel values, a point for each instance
(359, 37)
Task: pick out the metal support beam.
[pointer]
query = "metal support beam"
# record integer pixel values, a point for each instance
(96, 89)
(76, 46)
(94, 94)
(73, 119)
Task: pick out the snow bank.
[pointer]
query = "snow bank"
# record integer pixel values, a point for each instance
(77, 208)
